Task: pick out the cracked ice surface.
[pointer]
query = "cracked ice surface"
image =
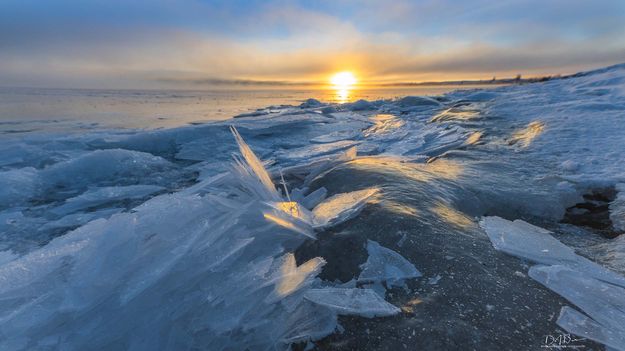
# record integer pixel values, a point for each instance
(131, 263)
(161, 230)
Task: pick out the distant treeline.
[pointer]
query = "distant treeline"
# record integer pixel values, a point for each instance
(516, 80)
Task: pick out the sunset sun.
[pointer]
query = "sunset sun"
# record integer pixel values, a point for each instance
(343, 79)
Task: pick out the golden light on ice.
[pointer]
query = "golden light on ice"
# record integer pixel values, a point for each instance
(343, 80)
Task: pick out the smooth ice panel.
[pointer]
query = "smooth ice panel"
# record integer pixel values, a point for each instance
(315, 198)
(341, 207)
(309, 322)
(292, 216)
(602, 301)
(99, 196)
(328, 164)
(386, 265)
(293, 277)
(362, 302)
(527, 241)
(579, 324)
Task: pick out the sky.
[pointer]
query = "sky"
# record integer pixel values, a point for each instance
(204, 44)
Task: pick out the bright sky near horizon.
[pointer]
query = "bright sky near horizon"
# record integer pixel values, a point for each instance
(196, 43)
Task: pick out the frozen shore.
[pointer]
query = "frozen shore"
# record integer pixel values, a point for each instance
(478, 219)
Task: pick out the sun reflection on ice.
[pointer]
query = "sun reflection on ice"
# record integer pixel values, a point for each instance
(342, 96)
(343, 83)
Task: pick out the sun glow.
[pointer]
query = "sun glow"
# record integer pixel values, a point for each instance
(343, 80)
(343, 83)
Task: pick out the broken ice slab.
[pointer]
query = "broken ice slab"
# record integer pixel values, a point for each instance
(293, 209)
(337, 209)
(78, 219)
(98, 196)
(341, 207)
(297, 194)
(316, 166)
(524, 240)
(325, 166)
(386, 265)
(312, 150)
(579, 324)
(384, 123)
(362, 302)
(292, 277)
(315, 198)
(289, 223)
(311, 200)
(292, 216)
(309, 322)
(527, 241)
(602, 301)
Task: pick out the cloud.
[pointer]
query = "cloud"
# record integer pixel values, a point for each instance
(202, 43)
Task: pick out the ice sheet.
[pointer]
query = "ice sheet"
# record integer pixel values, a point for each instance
(536, 244)
(596, 290)
(253, 171)
(386, 265)
(580, 324)
(292, 277)
(314, 150)
(341, 207)
(201, 264)
(363, 302)
(603, 302)
(98, 196)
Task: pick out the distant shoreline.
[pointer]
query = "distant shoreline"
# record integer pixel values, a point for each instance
(494, 81)
(507, 81)
(276, 85)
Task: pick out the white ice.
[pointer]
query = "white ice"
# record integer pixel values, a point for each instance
(363, 302)
(341, 207)
(386, 265)
(200, 264)
(596, 290)
(98, 196)
(536, 244)
(604, 303)
(580, 324)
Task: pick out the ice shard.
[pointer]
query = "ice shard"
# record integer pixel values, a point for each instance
(386, 265)
(341, 207)
(527, 241)
(603, 302)
(362, 302)
(252, 172)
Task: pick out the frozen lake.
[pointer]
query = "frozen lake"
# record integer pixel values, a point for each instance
(473, 219)
(24, 110)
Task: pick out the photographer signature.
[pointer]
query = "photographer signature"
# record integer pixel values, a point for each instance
(561, 341)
